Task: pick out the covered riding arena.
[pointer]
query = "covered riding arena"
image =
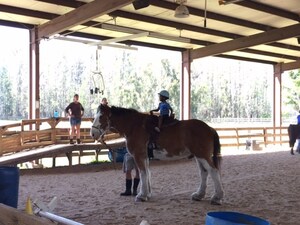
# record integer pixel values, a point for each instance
(260, 183)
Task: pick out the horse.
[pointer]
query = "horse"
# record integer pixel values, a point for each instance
(187, 138)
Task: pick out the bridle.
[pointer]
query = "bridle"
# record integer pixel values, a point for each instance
(101, 138)
(108, 127)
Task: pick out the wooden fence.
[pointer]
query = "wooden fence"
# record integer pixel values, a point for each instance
(37, 133)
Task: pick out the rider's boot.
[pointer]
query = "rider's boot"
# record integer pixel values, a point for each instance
(136, 182)
(128, 188)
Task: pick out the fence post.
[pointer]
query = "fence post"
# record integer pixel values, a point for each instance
(265, 136)
(237, 137)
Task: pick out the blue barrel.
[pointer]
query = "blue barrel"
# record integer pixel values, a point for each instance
(119, 153)
(9, 185)
(233, 218)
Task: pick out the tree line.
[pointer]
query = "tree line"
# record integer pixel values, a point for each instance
(220, 88)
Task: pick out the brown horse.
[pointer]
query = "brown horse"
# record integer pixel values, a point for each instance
(186, 138)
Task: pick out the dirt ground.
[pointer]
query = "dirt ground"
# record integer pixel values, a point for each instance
(265, 185)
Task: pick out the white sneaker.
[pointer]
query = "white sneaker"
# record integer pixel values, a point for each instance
(157, 129)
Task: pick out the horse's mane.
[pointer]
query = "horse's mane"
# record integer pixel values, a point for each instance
(119, 111)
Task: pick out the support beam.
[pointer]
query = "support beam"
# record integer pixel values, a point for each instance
(186, 86)
(245, 42)
(80, 15)
(290, 66)
(34, 73)
(277, 96)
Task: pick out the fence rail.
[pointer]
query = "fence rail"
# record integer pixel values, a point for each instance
(36, 133)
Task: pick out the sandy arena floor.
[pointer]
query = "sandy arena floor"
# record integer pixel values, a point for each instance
(265, 185)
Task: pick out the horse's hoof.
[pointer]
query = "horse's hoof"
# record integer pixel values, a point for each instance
(140, 199)
(197, 197)
(215, 201)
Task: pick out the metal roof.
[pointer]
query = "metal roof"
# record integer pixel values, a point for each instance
(266, 31)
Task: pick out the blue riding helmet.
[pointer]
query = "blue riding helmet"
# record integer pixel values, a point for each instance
(164, 93)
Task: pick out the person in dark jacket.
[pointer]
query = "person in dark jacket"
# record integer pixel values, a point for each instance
(75, 111)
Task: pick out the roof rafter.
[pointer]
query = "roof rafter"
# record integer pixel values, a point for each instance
(169, 5)
(269, 9)
(288, 66)
(79, 15)
(244, 42)
(212, 15)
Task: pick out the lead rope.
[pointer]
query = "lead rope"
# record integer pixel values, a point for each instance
(112, 152)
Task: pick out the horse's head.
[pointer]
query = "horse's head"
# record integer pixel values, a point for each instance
(101, 123)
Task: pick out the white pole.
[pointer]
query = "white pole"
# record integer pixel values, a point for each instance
(59, 219)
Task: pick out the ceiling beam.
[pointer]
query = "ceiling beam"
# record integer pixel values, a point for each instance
(165, 4)
(289, 66)
(79, 15)
(129, 42)
(194, 11)
(70, 3)
(245, 59)
(26, 12)
(245, 42)
(212, 15)
(176, 25)
(16, 24)
(269, 9)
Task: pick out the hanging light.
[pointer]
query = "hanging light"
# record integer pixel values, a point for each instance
(181, 11)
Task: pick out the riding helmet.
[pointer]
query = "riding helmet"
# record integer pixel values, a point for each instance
(164, 93)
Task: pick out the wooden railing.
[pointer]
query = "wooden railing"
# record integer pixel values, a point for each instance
(237, 137)
(30, 134)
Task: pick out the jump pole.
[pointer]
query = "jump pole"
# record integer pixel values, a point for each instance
(58, 219)
(42, 210)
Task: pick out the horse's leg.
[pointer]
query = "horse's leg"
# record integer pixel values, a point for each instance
(145, 189)
(215, 175)
(200, 193)
(219, 193)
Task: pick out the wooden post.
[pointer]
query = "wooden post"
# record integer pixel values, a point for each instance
(69, 155)
(237, 137)
(186, 86)
(265, 136)
(11, 215)
(54, 161)
(277, 99)
(34, 79)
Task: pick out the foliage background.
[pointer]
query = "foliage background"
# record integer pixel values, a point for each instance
(220, 88)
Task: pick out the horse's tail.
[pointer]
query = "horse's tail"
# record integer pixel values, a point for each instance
(216, 158)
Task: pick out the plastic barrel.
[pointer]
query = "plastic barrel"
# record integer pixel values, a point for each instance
(9, 185)
(233, 218)
(119, 153)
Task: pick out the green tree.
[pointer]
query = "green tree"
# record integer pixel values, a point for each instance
(171, 82)
(6, 97)
(230, 93)
(292, 91)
